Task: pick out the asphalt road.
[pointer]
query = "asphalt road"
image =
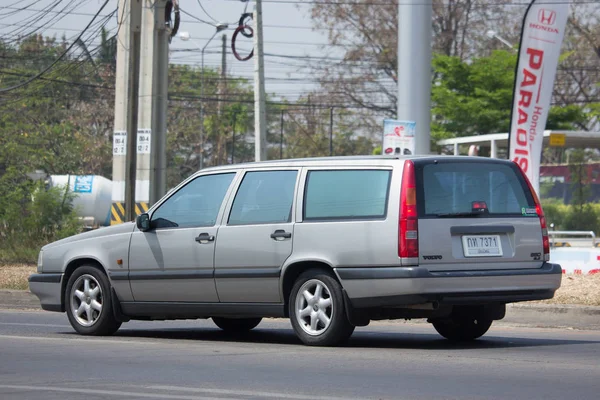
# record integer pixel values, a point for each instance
(42, 358)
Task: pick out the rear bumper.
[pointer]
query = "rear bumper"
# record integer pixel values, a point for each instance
(47, 287)
(398, 286)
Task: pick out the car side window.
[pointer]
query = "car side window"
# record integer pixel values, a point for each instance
(264, 197)
(346, 194)
(195, 204)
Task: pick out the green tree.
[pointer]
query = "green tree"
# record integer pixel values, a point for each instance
(108, 49)
(581, 215)
(476, 97)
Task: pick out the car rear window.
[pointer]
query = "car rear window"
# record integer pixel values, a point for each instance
(453, 187)
(346, 194)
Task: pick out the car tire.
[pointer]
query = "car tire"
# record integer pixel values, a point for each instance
(88, 302)
(462, 329)
(317, 310)
(238, 325)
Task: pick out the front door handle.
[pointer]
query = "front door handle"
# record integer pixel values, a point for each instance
(204, 238)
(281, 234)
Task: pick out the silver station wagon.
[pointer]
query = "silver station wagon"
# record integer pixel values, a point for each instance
(330, 243)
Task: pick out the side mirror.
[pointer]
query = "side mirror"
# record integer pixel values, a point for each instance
(143, 222)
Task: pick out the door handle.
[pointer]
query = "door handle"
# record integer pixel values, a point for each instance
(204, 237)
(281, 234)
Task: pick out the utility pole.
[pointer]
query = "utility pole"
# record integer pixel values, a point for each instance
(158, 164)
(414, 69)
(135, 21)
(223, 80)
(233, 138)
(330, 131)
(281, 138)
(260, 119)
(121, 109)
(151, 135)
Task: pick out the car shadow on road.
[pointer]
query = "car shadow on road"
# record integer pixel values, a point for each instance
(360, 339)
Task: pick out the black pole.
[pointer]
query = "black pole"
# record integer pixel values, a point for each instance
(331, 132)
(281, 138)
(233, 139)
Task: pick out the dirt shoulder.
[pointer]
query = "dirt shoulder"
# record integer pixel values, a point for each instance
(575, 289)
(15, 276)
(578, 289)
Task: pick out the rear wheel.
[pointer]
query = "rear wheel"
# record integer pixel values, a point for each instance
(88, 303)
(236, 324)
(317, 310)
(463, 328)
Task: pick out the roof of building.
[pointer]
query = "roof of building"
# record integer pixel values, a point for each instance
(573, 139)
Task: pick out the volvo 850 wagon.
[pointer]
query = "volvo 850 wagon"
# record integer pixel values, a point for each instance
(330, 243)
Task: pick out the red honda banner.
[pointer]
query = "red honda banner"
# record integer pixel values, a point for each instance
(541, 38)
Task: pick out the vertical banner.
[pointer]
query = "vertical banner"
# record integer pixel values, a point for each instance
(541, 39)
(398, 137)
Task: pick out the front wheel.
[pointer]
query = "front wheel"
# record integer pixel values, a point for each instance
(88, 303)
(238, 325)
(317, 312)
(462, 329)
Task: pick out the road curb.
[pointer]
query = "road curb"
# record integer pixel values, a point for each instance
(526, 314)
(18, 300)
(554, 315)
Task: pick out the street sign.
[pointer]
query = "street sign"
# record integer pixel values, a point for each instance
(398, 137)
(557, 139)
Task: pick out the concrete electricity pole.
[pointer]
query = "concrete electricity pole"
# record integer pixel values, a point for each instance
(152, 119)
(120, 125)
(414, 69)
(260, 119)
(126, 110)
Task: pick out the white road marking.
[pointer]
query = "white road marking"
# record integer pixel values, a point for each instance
(28, 324)
(117, 393)
(245, 393)
(75, 339)
(237, 349)
(198, 393)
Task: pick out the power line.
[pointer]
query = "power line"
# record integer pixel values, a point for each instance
(84, 14)
(4, 90)
(413, 3)
(206, 12)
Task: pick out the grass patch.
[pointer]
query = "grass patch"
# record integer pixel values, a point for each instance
(575, 289)
(15, 276)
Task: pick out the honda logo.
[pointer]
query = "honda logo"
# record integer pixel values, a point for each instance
(547, 17)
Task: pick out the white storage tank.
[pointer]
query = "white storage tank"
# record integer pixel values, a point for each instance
(93, 196)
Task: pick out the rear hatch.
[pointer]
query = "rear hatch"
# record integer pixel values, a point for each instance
(476, 214)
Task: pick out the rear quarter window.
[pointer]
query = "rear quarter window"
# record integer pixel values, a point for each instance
(346, 194)
(452, 187)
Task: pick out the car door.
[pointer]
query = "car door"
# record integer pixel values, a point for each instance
(255, 238)
(174, 260)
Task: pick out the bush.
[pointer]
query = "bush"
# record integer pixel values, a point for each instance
(555, 213)
(582, 219)
(30, 217)
(571, 217)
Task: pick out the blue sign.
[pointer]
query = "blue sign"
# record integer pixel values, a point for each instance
(83, 183)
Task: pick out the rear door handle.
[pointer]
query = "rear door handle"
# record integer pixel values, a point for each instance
(281, 234)
(204, 238)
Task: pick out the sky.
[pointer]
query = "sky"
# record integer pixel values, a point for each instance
(289, 36)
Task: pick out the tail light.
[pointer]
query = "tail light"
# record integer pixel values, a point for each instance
(540, 213)
(408, 230)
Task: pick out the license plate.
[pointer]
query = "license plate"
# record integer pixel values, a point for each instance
(482, 246)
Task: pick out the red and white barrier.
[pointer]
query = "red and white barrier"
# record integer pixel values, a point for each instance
(577, 260)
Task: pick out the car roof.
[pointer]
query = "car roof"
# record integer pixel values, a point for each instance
(345, 160)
